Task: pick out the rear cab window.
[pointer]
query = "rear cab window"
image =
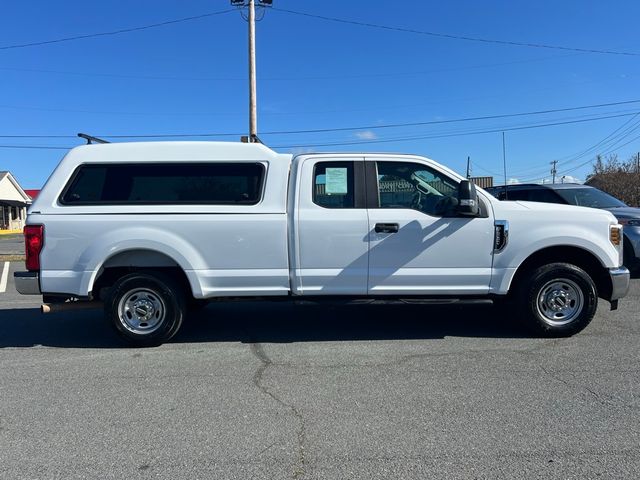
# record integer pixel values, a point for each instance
(334, 185)
(217, 183)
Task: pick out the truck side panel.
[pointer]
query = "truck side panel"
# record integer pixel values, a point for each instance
(221, 254)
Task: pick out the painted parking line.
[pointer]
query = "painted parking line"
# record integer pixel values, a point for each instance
(5, 276)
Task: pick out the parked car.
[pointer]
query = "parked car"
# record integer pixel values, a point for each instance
(583, 196)
(150, 228)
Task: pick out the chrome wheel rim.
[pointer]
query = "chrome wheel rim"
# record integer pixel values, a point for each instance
(559, 302)
(141, 311)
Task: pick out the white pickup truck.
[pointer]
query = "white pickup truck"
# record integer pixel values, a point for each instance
(150, 229)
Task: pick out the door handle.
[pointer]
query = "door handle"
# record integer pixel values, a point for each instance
(387, 227)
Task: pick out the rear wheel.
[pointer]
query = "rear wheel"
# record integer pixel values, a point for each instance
(146, 309)
(559, 299)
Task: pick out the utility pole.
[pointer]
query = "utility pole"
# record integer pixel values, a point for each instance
(468, 167)
(504, 159)
(554, 171)
(638, 162)
(253, 95)
(253, 110)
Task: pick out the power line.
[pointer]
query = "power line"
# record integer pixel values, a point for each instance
(457, 37)
(604, 153)
(478, 132)
(611, 144)
(362, 127)
(36, 147)
(612, 137)
(322, 130)
(528, 123)
(573, 169)
(397, 125)
(577, 167)
(456, 120)
(116, 32)
(289, 77)
(217, 113)
(623, 145)
(610, 140)
(398, 139)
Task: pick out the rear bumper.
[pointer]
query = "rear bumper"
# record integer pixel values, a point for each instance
(27, 283)
(619, 282)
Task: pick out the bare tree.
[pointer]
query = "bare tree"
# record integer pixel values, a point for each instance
(618, 178)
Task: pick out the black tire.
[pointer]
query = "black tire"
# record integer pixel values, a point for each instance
(195, 305)
(146, 309)
(558, 300)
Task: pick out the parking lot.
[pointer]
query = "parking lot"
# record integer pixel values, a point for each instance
(273, 390)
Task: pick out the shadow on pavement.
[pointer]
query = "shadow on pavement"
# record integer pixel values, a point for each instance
(268, 322)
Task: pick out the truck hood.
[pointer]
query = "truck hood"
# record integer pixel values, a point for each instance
(535, 226)
(553, 211)
(625, 212)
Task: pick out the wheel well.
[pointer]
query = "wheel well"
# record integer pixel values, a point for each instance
(587, 261)
(140, 260)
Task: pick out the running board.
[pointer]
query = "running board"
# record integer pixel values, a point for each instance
(392, 301)
(447, 301)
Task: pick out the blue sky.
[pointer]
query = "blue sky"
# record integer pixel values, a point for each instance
(190, 77)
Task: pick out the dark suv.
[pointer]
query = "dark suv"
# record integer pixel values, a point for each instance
(583, 196)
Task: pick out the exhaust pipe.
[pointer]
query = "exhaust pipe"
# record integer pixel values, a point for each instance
(67, 306)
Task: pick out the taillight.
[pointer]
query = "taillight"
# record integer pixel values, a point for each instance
(33, 243)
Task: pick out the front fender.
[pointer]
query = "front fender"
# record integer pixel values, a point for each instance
(523, 244)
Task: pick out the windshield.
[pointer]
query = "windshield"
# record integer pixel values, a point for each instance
(589, 197)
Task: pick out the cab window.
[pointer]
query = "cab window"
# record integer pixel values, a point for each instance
(334, 185)
(415, 186)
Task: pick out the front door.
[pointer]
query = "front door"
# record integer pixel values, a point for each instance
(418, 245)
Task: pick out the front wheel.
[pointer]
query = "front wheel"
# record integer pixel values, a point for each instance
(146, 309)
(559, 300)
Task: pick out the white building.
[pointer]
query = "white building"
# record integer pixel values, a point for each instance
(13, 203)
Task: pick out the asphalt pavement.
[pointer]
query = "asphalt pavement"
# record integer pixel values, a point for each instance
(274, 390)
(12, 244)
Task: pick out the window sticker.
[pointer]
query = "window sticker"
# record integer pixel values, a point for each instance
(336, 181)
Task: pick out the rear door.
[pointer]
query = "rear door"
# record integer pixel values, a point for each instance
(417, 246)
(331, 239)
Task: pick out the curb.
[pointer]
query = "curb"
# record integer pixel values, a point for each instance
(10, 232)
(11, 258)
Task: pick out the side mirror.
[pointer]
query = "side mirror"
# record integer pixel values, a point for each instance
(467, 199)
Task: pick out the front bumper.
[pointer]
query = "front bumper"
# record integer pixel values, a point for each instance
(619, 282)
(27, 283)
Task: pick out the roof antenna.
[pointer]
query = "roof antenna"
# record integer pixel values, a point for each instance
(91, 140)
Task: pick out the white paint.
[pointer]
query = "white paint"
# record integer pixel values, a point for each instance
(5, 276)
(289, 244)
(152, 153)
